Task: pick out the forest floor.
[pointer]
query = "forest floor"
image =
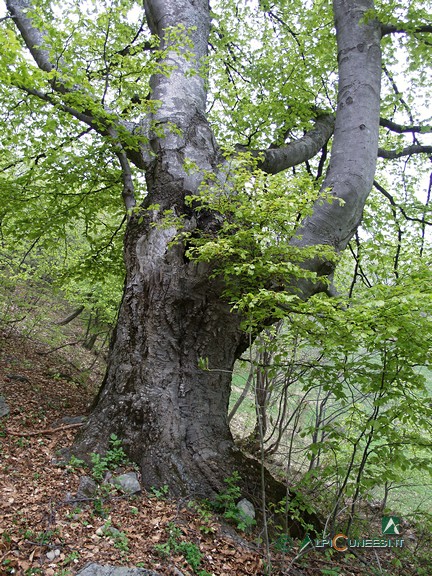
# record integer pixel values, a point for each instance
(45, 530)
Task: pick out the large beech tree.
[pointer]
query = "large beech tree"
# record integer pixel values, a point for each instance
(161, 96)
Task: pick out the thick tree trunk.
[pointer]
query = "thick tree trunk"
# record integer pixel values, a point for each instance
(170, 413)
(167, 388)
(168, 383)
(355, 144)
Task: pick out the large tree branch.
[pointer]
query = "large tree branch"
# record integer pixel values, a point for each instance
(33, 38)
(408, 151)
(51, 98)
(183, 93)
(91, 112)
(183, 131)
(405, 29)
(128, 186)
(277, 159)
(355, 143)
(400, 129)
(104, 124)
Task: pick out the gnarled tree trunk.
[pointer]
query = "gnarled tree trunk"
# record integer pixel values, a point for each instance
(170, 413)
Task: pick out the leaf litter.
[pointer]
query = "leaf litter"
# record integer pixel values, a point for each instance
(43, 528)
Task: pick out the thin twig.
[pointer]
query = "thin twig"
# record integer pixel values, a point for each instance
(45, 431)
(59, 348)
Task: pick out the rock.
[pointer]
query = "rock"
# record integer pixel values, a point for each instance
(230, 533)
(52, 555)
(99, 570)
(108, 531)
(127, 482)
(246, 509)
(87, 487)
(4, 408)
(62, 456)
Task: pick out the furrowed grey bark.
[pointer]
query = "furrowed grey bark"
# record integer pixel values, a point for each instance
(355, 144)
(170, 413)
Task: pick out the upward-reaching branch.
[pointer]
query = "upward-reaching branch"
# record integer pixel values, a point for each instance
(355, 144)
(91, 111)
(183, 93)
(183, 130)
(33, 38)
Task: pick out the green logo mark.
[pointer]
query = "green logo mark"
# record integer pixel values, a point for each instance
(390, 525)
(306, 541)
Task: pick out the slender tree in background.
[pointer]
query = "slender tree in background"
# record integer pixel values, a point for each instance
(145, 96)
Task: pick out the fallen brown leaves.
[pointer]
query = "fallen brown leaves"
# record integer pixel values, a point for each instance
(43, 529)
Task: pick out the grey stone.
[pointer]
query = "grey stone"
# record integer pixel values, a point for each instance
(99, 570)
(246, 508)
(108, 531)
(62, 457)
(87, 487)
(127, 482)
(4, 408)
(53, 554)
